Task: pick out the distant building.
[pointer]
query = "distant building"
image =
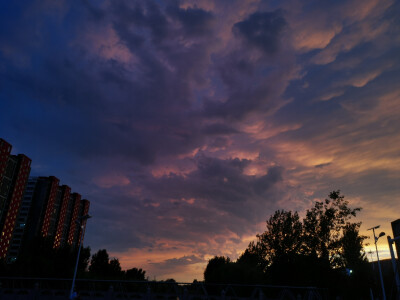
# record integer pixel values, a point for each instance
(14, 172)
(50, 211)
(396, 233)
(34, 207)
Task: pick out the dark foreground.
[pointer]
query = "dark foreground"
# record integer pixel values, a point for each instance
(46, 289)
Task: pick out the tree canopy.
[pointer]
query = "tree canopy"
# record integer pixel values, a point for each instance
(40, 259)
(314, 250)
(101, 266)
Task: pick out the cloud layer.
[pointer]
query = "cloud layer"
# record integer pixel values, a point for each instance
(187, 123)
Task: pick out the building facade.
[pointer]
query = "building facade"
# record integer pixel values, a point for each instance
(14, 173)
(50, 211)
(20, 226)
(32, 207)
(396, 234)
(42, 206)
(61, 227)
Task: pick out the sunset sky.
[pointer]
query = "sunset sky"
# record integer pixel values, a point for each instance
(188, 123)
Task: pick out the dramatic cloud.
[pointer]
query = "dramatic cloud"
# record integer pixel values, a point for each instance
(261, 30)
(187, 123)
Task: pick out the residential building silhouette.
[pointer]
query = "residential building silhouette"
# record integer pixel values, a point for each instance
(14, 172)
(35, 206)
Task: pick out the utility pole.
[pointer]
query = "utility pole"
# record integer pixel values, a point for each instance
(377, 255)
(82, 222)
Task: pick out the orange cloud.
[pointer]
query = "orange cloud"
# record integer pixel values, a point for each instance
(183, 261)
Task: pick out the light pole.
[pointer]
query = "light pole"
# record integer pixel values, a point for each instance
(82, 221)
(377, 255)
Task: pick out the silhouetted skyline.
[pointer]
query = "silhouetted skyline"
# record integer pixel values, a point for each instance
(188, 123)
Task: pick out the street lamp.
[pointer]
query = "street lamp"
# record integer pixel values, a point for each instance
(377, 255)
(82, 221)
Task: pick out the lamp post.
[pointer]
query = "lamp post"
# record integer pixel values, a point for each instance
(377, 255)
(82, 221)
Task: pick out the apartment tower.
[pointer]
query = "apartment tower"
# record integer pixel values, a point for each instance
(14, 173)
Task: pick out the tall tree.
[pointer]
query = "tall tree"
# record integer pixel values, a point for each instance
(283, 237)
(215, 269)
(324, 226)
(352, 246)
(114, 268)
(99, 263)
(102, 267)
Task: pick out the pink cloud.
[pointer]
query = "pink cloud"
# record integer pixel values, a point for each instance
(111, 180)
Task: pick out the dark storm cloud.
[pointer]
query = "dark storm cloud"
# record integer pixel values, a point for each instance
(221, 181)
(262, 30)
(194, 21)
(145, 15)
(219, 129)
(140, 119)
(323, 165)
(240, 103)
(219, 184)
(347, 83)
(248, 91)
(129, 216)
(264, 183)
(181, 51)
(151, 103)
(215, 198)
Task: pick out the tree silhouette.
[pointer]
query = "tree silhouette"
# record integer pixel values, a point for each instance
(324, 226)
(135, 274)
(352, 243)
(102, 267)
(114, 268)
(215, 269)
(38, 258)
(282, 238)
(354, 259)
(313, 251)
(99, 263)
